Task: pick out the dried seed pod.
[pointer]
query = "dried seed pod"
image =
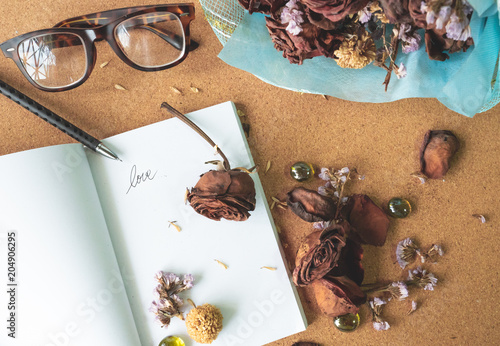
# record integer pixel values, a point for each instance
(437, 150)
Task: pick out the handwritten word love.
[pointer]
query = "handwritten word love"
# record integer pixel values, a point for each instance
(136, 179)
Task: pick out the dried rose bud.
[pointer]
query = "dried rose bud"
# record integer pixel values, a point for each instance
(437, 150)
(224, 194)
(319, 254)
(369, 223)
(310, 205)
(338, 295)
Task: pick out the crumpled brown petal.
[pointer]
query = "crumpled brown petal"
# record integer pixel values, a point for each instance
(310, 206)
(436, 152)
(224, 194)
(311, 42)
(319, 254)
(263, 6)
(369, 223)
(338, 295)
(335, 10)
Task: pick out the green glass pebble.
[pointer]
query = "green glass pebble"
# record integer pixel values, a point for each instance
(346, 323)
(301, 171)
(172, 341)
(399, 207)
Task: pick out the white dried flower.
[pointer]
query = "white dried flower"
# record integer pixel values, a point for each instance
(381, 325)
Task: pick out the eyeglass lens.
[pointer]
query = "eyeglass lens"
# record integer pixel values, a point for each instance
(152, 39)
(53, 60)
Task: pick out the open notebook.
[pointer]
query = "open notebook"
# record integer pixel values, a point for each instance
(88, 242)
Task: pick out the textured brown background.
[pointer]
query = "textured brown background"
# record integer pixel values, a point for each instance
(380, 140)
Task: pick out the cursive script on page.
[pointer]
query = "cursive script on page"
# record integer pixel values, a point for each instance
(139, 178)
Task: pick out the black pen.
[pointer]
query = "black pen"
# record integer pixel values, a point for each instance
(56, 121)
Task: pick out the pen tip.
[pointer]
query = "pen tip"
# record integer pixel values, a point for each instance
(106, 152)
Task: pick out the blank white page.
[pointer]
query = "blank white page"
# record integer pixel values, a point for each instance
(258, 305)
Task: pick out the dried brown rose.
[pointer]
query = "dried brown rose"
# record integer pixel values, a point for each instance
(436, 152)
(224, 194)
(319, 254)
(263, 6)
(339, 292)
(436, 41)
(311, 42)
(396, 11)
(310, 206)
(369, 223)
(338, 295)
(335, 10)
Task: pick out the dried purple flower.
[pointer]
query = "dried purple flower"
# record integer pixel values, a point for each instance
(434, 252)
(167, 303)
(401, 71)
(406, 252)
(421, 278)
(398, 290)
(293, 16)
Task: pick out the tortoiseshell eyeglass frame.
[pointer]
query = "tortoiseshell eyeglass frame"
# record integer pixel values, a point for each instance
(101, 26)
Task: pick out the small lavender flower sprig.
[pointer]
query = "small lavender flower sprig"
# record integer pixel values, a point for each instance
(376, 307)
(167, 302)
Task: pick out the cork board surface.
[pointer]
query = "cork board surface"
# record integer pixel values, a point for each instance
(381, 140)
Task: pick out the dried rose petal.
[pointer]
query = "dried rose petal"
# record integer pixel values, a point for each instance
(310, 206)
(224, 194)
(319, 254)
(338, 296)
(437, 150)
(262, 6)
(370, 223)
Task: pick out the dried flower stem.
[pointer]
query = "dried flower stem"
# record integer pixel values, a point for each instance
(341, 194)
(395, 47)
(192, 125)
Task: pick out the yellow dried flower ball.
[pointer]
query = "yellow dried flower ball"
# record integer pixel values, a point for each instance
(204, 323)
(356, 52)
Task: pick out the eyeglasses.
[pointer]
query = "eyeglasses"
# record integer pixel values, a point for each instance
(147, 38)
